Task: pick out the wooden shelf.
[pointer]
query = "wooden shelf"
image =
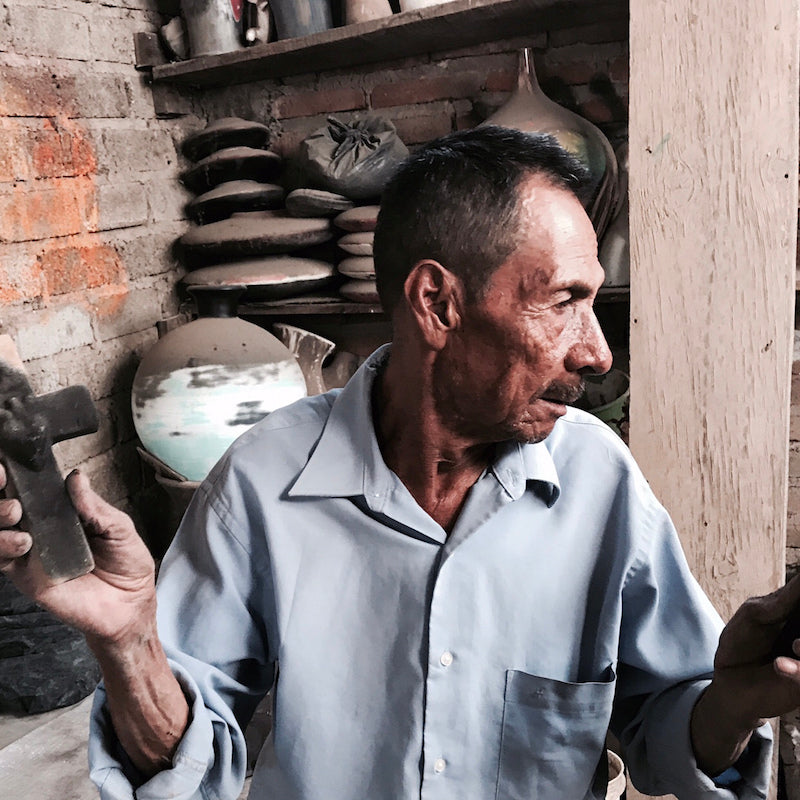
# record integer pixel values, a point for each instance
(331, 304)
(305, 305)
(449, 26)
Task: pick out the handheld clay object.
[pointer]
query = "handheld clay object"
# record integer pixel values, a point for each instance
(29, 426)
(789, 632)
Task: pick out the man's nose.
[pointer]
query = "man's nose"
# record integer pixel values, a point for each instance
(590, 354)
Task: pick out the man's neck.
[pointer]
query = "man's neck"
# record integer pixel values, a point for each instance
(434, 464)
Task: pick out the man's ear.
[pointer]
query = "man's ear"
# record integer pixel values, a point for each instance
(434, 296)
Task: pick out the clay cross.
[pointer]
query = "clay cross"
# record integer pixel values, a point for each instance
(29, 426)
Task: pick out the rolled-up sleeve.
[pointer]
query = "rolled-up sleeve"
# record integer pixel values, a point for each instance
(670, 635)
(211, 590)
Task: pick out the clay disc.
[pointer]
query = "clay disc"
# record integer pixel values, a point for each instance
(222, 133)
(316, 203)
(270, 278)
(362, 218)
(232, 164)
(233, 196)
(357, 244)
(358, 267)
(250, 234)
(360, 291)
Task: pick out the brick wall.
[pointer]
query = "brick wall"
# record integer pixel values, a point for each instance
(89, 207)
(584, 68)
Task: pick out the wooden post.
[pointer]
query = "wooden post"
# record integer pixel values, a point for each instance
(713, 211)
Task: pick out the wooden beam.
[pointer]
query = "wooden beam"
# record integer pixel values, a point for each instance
(713, 210)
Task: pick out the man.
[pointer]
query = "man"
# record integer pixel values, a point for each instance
(462, 581)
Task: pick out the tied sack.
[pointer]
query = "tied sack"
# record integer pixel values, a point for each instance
(356, 159)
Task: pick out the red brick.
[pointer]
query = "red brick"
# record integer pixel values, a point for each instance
(595, 110)
(19, 280)
(77, 267)
(416, 130)
(60, 153)
(56, 209)
(425, 90)
(307, 104)
(501, 81)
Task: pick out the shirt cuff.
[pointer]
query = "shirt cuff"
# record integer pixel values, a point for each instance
(677, 772)
(117, 779)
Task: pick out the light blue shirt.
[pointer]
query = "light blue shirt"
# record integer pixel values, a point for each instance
(484, 664)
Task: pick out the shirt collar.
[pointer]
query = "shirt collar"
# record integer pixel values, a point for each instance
(347, 461)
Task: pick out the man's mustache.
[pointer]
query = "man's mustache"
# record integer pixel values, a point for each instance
(564, 392)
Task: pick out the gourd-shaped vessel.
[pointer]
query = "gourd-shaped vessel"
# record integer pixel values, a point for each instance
(205, 383)
(530, 110)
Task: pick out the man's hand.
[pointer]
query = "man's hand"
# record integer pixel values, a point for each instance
(112, 601)
(749, 686)
(115, 607)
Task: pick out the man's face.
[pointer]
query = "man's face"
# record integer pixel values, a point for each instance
(520, 352)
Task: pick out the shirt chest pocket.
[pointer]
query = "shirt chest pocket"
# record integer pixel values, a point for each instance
(553, 738)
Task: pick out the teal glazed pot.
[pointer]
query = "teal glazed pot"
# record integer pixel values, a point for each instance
(205, 383)
(300, 17)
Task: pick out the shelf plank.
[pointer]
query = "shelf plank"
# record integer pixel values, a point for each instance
(462, 23)
(331, 304)
(306, 304)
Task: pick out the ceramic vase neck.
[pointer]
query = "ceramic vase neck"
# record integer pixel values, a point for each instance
(216, 301)
(526, 73)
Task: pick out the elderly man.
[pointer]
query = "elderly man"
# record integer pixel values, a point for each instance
(455, 583)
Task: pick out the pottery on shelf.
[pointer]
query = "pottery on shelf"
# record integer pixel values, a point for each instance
(268, 278)
(316, 203)
(300, 17)
(360, 218)
(356, 11)
(205, 383)
(360, 291)
(357, 244)
(530, 110)
(411, 5)
(614, 253)
(310, 350)
(231, 197)
(358, 267)
(251, 234)
(222, 133)
(232, 164)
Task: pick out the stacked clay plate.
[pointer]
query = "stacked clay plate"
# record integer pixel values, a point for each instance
(357, 265)
(243, 234)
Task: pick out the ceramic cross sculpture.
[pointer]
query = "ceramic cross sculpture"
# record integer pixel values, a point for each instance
(29, 426)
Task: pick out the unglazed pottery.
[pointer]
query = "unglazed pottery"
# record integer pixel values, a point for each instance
(268, 278)
(205, 383)
(222, 133)
(251, 234)
(232, 197)
(232, 164)
(316, 203)
(361, 218)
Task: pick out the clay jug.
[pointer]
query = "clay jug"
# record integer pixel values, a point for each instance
(363, 10)
(529, 109)
(205, 383)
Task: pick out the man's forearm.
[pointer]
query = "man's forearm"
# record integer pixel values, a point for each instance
(718, 737)
(147, 705)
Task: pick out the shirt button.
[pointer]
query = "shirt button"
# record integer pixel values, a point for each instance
(439, 765)
(446, 658)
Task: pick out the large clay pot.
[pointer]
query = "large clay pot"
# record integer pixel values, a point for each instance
(300, 17)
(529, 109)
(203, 384)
